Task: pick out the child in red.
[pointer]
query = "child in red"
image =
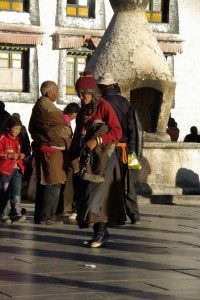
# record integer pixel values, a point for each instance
(12, 167)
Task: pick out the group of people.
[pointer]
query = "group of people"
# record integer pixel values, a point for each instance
(174, 131)
(107, 130)
(94, 156)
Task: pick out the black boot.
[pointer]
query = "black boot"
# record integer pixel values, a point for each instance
(96, 230)
(102, 236)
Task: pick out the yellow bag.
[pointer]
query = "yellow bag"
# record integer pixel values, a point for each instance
(133, 162)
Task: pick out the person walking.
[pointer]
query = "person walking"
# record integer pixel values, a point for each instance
(51, 136)
(99, 204)
(13, 152)
(130, 141)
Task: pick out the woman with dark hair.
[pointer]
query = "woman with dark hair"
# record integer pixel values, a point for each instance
(96, 204)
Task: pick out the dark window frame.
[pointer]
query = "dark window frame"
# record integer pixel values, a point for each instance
(25, 56)
(75, 4)
(164, 12)
(75, 54)
(24, 2)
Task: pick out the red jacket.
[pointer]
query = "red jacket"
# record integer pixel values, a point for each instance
(104, 113)
(10, 145)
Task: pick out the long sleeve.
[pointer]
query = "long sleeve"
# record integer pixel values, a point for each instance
(107, 114)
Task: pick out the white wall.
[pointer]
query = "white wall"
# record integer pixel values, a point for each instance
(47, 58)
(187, 65)
(187, 68)
(108, 11)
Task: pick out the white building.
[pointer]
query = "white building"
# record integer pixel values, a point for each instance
(53, 39)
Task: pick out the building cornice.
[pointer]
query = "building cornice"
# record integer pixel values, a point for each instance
(20, 34)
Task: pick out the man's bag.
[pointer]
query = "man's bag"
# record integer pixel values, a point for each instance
(133, 162)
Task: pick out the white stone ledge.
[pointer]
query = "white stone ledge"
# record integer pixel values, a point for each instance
(171, 145)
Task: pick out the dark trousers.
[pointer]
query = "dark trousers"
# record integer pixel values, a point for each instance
(10, 193)
(131, 203)
(60, 207)
(130, 196)
(47, 199)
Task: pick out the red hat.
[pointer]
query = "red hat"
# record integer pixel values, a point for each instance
(86, 81)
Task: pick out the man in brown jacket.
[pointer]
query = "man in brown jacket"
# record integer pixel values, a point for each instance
(51, 137)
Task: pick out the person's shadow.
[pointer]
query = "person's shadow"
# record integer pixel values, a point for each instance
(188, 180)
(140, 178)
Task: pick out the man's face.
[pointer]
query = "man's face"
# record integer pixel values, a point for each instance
(53, 93)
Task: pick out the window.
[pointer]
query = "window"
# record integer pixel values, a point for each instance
(81, 8)
(14, 5)
(157, 11)
(76, 62)
(14, 69)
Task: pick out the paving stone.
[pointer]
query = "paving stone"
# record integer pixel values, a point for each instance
(159, 259)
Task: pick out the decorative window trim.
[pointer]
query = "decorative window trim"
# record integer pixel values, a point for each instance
(169, 43)
(75, 38)
(20, 38)
(20, 34)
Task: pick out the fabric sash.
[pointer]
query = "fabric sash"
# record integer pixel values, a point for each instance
(124, 155)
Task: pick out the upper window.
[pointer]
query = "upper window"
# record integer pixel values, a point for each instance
(157, 11)
(14, 69)
(14, 5)
(75, 63)
(81, 8)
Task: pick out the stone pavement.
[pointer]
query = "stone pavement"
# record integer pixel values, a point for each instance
(159, 259)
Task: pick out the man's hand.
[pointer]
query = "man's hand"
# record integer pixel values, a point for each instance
(91, 144)
(21, 156)
(13, 156)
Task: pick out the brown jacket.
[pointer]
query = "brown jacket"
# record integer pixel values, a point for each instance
(48, 127)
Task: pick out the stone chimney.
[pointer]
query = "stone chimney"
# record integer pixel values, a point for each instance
(130, 51)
